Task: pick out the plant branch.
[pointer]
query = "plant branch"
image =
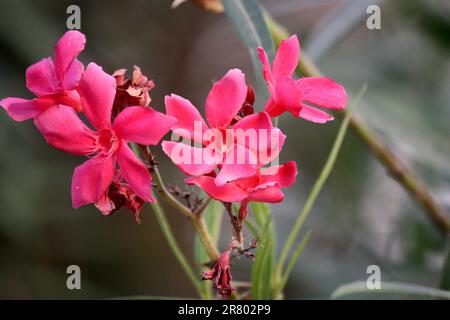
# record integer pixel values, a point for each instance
(236, 224)
(196, 219)
(398, 170)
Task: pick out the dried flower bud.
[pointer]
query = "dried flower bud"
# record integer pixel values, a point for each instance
(120, 195)
(220, 274)
(131, 92)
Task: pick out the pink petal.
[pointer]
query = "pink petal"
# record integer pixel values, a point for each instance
(323, 92)
(314, 115)
(41, 78)
(287, 95)
(21, 109)
(225, 99)
(91, 180)
(188, 118)
(71, 99)
(191, 160)
(135, 173)
(283, 175)
(229, 192)
(105, 205)
(257, 121)
(97, 90)
(73, 75)
(269, 194)
(269, 151)
(286, 59)
(238, 163)
(267, 71)
(273, 108)
(66, 51)
(63, 129)
(256, 133)
(142, 125)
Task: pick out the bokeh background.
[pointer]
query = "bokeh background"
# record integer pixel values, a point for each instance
(362, 217)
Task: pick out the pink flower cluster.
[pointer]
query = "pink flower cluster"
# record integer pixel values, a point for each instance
(64, 89)
(229, 155)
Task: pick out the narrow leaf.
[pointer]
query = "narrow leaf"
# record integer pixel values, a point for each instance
(298, 251)
(248, 22)
(445, 274)
(262, 269)
(390, 288)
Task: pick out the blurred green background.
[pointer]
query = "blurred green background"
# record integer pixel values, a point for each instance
(362, 217)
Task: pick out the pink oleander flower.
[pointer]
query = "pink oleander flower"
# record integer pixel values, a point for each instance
(264, 186)
(298, 96)
(220, 274)
(222, 146)
(107, 145)
(53, 83)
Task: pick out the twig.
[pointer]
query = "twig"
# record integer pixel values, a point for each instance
(237, 226)
(196, 220)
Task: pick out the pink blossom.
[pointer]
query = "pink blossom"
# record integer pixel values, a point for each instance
(264, 186)
(223, 104)
(53, 83)
(298, 96)
(107, 144)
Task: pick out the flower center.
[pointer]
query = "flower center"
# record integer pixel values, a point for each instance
(248, 184)
(107, 141)
(221, 140)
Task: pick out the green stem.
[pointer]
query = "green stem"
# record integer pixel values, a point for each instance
(196, 218)
(200, 227)
(169, 197)
(317, 187)
(380, 150)
(172, 242)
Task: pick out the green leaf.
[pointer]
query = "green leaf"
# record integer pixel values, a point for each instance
(248, 22)
(298, 251)
(253, 228)
(213, 218)
(262, 268)
(390, 288)
(445, 274)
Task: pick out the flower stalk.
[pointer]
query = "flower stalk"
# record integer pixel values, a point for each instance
(195, 218)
